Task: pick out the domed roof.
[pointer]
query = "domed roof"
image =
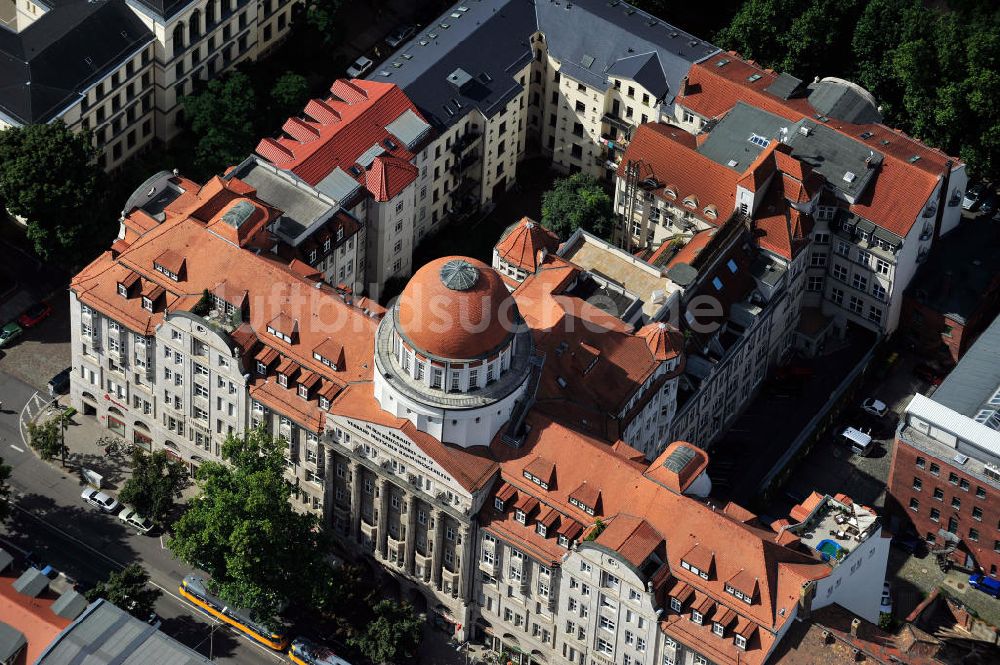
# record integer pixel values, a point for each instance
(456, 308)
(844, 100)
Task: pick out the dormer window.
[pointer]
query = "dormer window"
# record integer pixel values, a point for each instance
(541, 529)
(326, 245)
(740, 641)
(498, 503)
(696, 617)
(718, 629)
(280, 335)
(324, 403)
(318, 357)
(675, 604)
(147, 304)
(340, 234)
(122, 290)
(312, 256)
(303, 392)
(283, 380)
(521, 516)
(563, 541)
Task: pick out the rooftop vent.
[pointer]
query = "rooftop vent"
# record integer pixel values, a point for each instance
(849, 176)
(805, 130)
(587, 61)
(732, 163)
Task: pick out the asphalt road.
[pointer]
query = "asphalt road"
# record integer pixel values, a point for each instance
(50, 521)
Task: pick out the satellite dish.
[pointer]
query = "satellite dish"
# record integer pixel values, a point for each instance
(152, 190)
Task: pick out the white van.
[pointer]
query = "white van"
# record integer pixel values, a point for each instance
(860, 442)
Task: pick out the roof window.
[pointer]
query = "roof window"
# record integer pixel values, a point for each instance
(759, 140)
(866, 135)
(731, 265)
(914, 159)
(850, 176)
(722, 63)
(753, 78)
(717, 283)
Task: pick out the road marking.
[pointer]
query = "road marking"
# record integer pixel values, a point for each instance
(119, 564)
(20, 450)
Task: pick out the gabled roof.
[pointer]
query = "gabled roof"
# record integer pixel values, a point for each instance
(388, 176)
(47, 66)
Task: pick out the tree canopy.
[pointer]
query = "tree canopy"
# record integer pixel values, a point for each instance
(4, 491)
(578, 201)
(49, 176)
(129, 589)
(47, 439)
(221, 119)
(934, 69)
(244, 532)
(153, 485)
(290, 92)
(392, 636)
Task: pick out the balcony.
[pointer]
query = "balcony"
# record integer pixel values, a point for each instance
(617, 121)
(462, 165)
(488, 568)
(465, 141)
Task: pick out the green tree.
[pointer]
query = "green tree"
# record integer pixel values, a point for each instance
(290, 92)
(47, 439)
(155, 482)
(221, 119)
(578, 201)
(129, 589)
(321, 16)
(393, 636)
(49, 176)
(758, 28)
(243, 530)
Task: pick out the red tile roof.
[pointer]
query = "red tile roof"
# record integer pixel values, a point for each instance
(388, 176)
(33, 617)
(521, 243)
(336, 131)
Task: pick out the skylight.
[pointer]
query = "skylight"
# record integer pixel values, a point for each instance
(914, 159)
(717, 283)
(731, 265)
(759, 140)
(753, 77)
(849, 176)
(722, 63)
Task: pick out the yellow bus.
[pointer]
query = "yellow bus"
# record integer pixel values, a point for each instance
(307, 652)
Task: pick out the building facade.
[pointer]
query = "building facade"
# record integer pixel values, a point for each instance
(945, 475)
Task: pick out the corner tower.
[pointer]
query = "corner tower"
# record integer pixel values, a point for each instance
(452, 356)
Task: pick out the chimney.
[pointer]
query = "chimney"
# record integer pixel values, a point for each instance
(684, 85)
(855, 624)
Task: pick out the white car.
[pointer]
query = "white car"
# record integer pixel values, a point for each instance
(885, 605)
(100, 500)
(874, 407)
(133, 519)
(360, 66)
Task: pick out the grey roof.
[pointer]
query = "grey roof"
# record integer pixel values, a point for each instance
(31, 582)
(106, 635)
(785, 86)
(11, 641)
(843, 100)
(610, 31)
(338, 185)
(154, 195)
(489, 41)
(70, 604)
(5, 559)
(48, 65)
(366, 158)
(745, 131)
(486, 42)
(408, 128)
(976, 377)
(163, 9)
(961, 268)
(303, 209)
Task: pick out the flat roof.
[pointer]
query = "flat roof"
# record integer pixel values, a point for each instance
(598, 257)
(974, 385)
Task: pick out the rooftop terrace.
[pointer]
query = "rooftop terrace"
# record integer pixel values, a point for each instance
(833, 528)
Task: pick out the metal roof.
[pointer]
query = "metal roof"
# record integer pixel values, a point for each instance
(31, 583)
(11, 641)
(5, 559)
(969, 387)
(843, 100)
(338, 185)
(70, 604)
(785, 86)
(985, 441)
(107, 635)
(408, 128)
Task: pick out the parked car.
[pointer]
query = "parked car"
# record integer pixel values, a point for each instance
(99, 499)
(972, 196)
(874, 407)
(988, 206)
(908, 542)
(9, 334)
(928, 373)
(59, 383)
(133, 519)
(987, 585)
(885, 605)
(360, 66)
(400, 35)
(35, 314)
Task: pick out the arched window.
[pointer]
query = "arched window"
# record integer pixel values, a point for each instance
(178, 38)
(194, 25)
(210, 15)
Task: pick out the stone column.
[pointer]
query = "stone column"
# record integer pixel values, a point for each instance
(356, 482)
(381, 546)
(467, 569)
(437, 557)
(412, 507)
(329, 482)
